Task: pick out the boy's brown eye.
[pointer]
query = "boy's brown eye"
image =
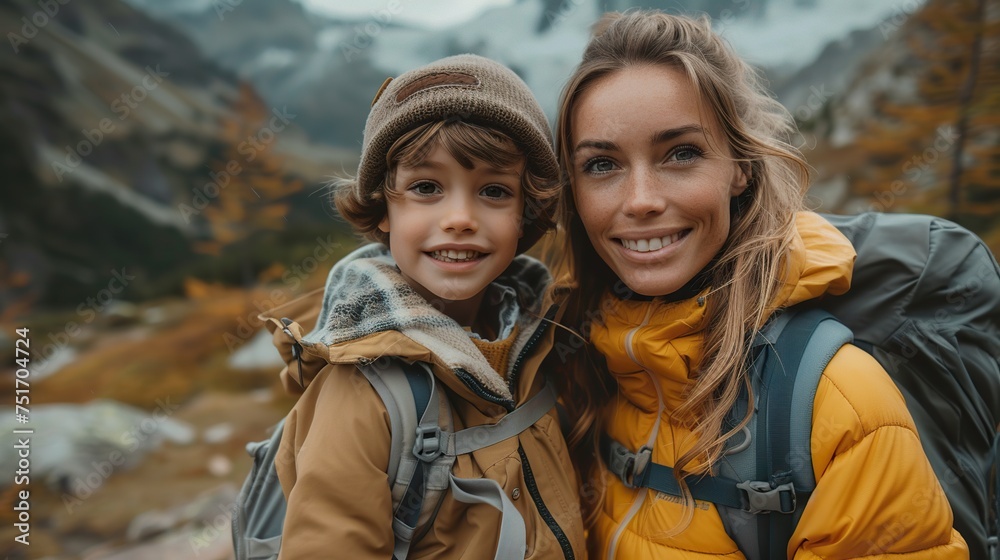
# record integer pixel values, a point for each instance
(424, 188)
(494, 191)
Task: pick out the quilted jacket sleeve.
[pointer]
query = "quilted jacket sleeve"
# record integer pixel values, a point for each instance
(332, 464)
(876, 494)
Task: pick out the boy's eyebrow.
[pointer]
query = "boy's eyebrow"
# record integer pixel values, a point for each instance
(505, 171)
(429, 164)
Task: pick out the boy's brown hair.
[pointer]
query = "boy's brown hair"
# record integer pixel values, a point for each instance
(478, 110)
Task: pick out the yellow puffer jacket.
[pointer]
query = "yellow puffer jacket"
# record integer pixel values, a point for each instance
(876, 494)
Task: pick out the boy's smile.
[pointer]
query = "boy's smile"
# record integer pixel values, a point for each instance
(453, 230)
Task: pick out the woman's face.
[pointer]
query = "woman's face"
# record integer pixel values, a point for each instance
(652, 177)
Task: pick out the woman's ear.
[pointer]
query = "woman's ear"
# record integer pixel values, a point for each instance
(741, 180)
(383, 226)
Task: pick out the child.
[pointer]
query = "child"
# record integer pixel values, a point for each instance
(457, 178)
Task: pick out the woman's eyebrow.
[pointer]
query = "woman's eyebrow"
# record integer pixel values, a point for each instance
(596, 144)
(668, 135)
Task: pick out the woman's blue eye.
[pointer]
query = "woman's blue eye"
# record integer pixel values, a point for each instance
(598, 165)
(686, 153)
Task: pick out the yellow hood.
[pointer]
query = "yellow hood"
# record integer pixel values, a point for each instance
(820, 262)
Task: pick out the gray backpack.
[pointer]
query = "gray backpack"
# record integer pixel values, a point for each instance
(925, 302)
(423, 450)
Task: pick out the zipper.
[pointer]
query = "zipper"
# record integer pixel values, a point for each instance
(641, 498)
(543, 510)
(529, 476)
(540, 331)
(476, 387)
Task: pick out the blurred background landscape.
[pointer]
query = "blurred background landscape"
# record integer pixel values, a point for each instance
(162, 180)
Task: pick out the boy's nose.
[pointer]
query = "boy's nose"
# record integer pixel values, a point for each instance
(459, 216)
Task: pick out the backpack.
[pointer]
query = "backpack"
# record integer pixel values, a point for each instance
(423, 450)
(925, 302)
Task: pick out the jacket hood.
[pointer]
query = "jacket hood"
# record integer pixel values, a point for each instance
(368, 311)
(669, 343)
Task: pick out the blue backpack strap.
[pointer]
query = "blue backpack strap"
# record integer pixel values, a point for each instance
(790, 370)
(771, 491)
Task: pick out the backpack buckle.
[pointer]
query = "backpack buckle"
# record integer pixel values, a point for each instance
(628, 465)
(760, 497)
(427, 446)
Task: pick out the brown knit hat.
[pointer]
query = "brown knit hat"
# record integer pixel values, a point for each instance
(472, 89)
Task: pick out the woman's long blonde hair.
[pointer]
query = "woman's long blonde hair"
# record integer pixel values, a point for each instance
(750, 270)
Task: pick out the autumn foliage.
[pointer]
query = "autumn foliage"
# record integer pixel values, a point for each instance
(251, 186)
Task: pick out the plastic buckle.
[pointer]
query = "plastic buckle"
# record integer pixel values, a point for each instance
(427, 446)
(993, 544)
(760, 497)
(629, 465)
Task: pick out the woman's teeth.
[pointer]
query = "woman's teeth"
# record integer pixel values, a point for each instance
(455, 256)
(647, 245)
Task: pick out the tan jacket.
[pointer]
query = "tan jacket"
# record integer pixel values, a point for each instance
(876, 495)
(334, 452)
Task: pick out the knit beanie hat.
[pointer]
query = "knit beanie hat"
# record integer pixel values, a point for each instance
(475, 90)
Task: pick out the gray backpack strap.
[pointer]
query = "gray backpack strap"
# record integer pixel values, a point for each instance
(420, 483)
(776, 450)
(437, 448)
(263, 549)
(387, 378)
(518, 420)
(512, 540)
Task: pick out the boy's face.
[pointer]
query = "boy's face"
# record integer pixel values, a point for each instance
(453, 230)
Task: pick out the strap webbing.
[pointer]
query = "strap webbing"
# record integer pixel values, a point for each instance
(512, 540)
(408, 514)
(718, 490)
(781, 365)
(433, 443)
(263, 548)
(518, 420)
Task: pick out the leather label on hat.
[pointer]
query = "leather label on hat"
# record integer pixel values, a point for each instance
(381, 89)
(435, 80)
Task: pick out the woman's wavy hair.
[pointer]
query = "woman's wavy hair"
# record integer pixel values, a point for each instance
(750, 270)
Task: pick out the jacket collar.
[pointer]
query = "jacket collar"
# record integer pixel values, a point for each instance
(368, 311)
(667, 337)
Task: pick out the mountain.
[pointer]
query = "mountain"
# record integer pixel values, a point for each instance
(915, 128)
(115, 141)
(329, 68)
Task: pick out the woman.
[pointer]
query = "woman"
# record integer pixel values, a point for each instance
(686, 231)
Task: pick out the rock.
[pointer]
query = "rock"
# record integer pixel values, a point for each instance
(219, 433)
(75, 448)
(258, 353)
(119, 313)
(207, 514)
(220, 465)
(60, 357)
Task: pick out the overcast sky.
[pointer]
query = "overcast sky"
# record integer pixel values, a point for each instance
(429, 13)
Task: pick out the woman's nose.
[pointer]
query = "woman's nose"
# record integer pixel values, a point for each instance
(645, 194)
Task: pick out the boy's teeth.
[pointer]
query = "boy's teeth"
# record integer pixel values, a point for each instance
(455, 256)
(647, 245)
